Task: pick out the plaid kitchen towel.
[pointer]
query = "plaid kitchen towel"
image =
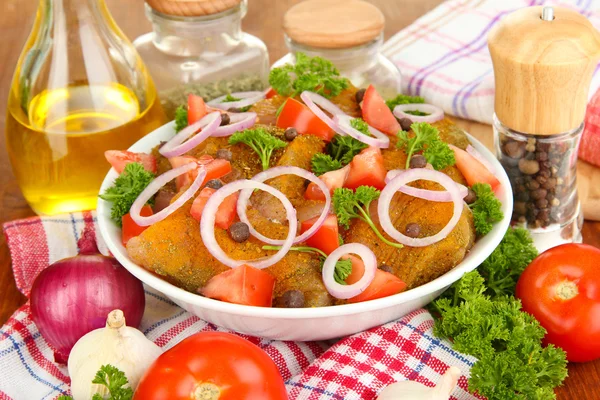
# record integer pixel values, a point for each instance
(357, 367)
(444, 56)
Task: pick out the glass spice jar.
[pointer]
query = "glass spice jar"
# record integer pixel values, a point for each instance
(544, 59)
(349, 34)
(199, 47)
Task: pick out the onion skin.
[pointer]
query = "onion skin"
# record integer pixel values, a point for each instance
(73, 297)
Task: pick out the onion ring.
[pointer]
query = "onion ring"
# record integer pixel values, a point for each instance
(349, 291)
(314, 101)
(238, 122)
(155, 186)
(435, 113)
(381, 140)
(425, 194)
(178, 144)
(275, 172)
(247, 99)
(411, 175)
(207, 223)
(479, 157)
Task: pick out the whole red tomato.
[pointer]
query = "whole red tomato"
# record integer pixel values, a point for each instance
(211, 366)
(561, 289)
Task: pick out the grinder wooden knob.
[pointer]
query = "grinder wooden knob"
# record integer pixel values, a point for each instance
(192, 8)
(543, 65)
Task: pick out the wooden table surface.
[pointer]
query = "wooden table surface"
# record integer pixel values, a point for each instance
(263, 20)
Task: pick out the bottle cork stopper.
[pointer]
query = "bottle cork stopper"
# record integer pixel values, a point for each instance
(333, 24)
(192, 8)
(543, 59)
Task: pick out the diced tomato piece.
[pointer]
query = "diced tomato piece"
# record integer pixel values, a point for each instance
(244, 285)
(377, 114)
(270, 93)
(130, 228)
(215, 169)
(333, 180)
(196, 108)
(472, 169)
(367, 169)
(384, 284)
(120, 158)
(226, 212)
(296, 115)
(327, 236)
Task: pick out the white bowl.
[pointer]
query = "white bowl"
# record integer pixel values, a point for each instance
(304, 323)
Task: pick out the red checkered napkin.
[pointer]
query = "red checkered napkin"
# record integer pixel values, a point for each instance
(357, 367)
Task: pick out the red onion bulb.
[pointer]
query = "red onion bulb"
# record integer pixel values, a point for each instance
(73, 297)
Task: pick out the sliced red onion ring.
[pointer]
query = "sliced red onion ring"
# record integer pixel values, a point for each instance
(349, 291)
(207, 223)
(432, 195)
(472, 151)
(247, 99)
(411, 175)
(158, 183)
(435, 113)
(275, 172)
(178, 144)
(238, 122)
(380, 140)
(314, 101)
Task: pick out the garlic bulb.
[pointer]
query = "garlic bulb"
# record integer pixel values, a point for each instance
(119, 345)
(408, 390)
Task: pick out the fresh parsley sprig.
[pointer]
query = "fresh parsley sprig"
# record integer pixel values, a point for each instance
(181, 118)
(322, 163)
(344, 148)
(343, 268)
(314, 74)
(114, 380)
(404, 99)
(259, 140)
(126, 189)
(229, 99)
(487, 209)
(426, 138)
(349, 205)
(360, 125)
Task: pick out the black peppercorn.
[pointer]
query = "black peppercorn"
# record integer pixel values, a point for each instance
(224, 154)
(290, 134)
(413, 230)
(405, 123)
(214, 184)
(418, 161)
(386, 268)
(239, 232)
(470, 197)
(514, 149)
(360, 95)
(225, 120)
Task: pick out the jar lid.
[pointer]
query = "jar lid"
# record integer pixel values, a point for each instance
(544, 59)
(333, 24)
(192, 8)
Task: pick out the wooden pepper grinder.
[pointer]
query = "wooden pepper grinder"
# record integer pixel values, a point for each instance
(543, 60)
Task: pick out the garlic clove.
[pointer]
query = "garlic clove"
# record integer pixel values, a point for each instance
(117, 344)
(409, 390)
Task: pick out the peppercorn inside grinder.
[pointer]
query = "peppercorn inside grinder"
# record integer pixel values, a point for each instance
(543, 60)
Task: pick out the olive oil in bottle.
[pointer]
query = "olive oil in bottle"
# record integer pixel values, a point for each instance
(57, 148)
(79, 89)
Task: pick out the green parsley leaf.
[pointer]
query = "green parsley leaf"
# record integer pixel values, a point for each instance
(344, 148)
(439, 155)
(126, 189)
(482, 318)
(404, 99)
(426, 138)
(229, 98)
(360, 125)
(343, 268)
(417, 113)
(322, 163)
(259, 140)
(115, 381)
(314, 74)
(487, 209)
(340, 239)
(349, 205)
(507, 262)
(181, 118)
